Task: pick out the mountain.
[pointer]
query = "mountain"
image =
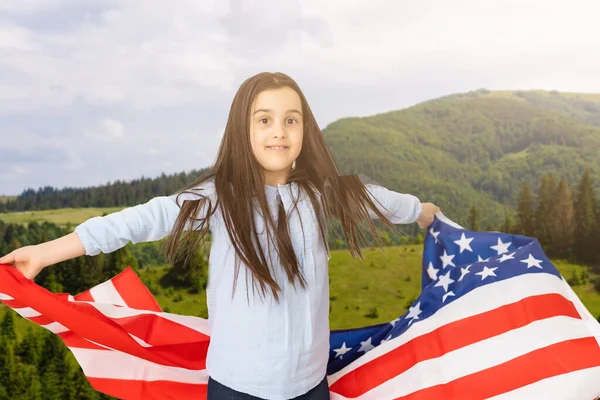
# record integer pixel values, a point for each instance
(475, 148)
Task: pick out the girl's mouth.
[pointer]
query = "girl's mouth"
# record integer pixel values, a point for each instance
(277, 148)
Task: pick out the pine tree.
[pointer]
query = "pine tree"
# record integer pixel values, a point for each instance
(51, 383)
(30, 347)
(508, 226)
(585, 220)
(525, 212)
(543, 213)
(474, 219)
(7, 326)
(562, 223)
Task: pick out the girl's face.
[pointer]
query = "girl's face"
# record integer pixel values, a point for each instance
(276, 120)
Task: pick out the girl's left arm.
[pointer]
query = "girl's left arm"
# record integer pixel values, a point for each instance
(399, 208)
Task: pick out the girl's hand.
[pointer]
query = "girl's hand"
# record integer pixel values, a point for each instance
(428, 211)
(28, 260)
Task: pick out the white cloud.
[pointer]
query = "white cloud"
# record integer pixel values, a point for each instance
(112, 128)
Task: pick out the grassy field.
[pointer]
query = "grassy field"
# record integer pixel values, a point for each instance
(60, 217)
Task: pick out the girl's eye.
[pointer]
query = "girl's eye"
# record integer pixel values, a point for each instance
(290, 119)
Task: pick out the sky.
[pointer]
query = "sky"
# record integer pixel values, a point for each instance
(96, 91)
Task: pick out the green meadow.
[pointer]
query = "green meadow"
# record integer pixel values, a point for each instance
(60, 217)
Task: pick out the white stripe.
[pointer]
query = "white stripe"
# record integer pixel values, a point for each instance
(479, 300)
(107, 293)
(55, 327)
(191, 322)
(481, 355)
(27, 312)
(140, 341)
(114, 364)
(4, 296)
(577, 385)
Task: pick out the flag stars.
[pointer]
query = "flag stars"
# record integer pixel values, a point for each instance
(444, 281)
(366, 345)
(342, 350)
(435, 235)
(532, 262)
(394, 321)
(432, 272)
(447, 259)
(464, 243)
(506, 257)
(444, 297)
(464, 271)
(501, 247)
(486, 272)
(413, 312)
(479, 259)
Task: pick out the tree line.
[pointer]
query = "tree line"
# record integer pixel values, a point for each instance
(565, 220)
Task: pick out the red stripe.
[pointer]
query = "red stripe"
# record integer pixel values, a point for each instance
(85, 296)
(156, 330)
(557, 359)
(450, 337)
(40, 320)
(134, 292)
(149, 390)
(74, 341)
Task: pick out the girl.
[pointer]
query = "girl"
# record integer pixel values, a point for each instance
(266, 201)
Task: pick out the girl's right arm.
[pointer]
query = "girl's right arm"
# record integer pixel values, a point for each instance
(146, 222)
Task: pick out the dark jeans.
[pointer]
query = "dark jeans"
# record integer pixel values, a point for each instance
(217, 391)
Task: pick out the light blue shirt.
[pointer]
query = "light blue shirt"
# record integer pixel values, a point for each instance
(263, 348)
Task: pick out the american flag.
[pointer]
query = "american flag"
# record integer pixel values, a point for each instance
(495, 319)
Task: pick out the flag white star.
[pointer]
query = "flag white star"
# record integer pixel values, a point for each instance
(450, 293)
(413, 312)
(501, 247)
(366, 345)
(464, 243)
(394, 321)
(479, 259)
(532, 262)
(464, 271)
(486, 272)
(506, 257)
(447, 259)
(434, 234)
(342, 350)
(432, 272)
(444, 281)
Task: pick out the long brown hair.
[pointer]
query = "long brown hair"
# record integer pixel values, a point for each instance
(237, 176)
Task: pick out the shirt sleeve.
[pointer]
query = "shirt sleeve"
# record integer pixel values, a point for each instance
(399, 208)
(146, 222)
